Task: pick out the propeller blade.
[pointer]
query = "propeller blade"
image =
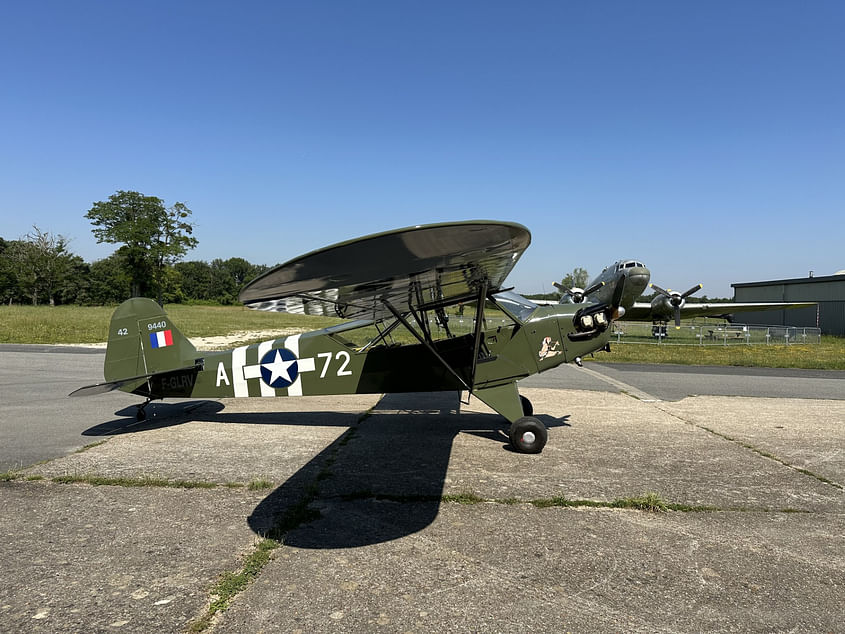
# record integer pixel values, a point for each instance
(593, 288)
(565, 289)
(617, 293)
(695, 288)
(677, 317)
(662, 291)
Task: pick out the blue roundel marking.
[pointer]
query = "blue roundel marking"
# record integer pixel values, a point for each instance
(279, 368)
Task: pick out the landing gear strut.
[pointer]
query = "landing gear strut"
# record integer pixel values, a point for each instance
(527, 407)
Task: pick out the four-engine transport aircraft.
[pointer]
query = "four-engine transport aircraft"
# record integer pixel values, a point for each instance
(667, 304)
(382, 284)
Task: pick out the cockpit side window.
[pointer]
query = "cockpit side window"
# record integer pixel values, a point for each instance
(518, 307)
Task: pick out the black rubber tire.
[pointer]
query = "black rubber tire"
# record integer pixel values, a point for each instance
(537, 433)
(527, 407)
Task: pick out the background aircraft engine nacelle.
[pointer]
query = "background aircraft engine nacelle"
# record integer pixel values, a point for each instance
(662, 306)
(576, 295)
(667, 303)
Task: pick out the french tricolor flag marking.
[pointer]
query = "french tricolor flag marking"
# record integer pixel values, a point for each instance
(161, 339)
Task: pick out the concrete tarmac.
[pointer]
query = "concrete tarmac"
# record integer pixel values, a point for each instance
(673, 382)
(38, 421)
(421, 518)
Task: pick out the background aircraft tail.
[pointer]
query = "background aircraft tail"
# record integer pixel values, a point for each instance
(143, 341)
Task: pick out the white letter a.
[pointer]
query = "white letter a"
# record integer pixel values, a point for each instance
(221, 374)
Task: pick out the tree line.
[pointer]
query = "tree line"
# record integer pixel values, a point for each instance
(31, 276)
(39, 268)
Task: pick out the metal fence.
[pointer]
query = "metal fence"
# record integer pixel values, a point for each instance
(713, 334)
(703, 331)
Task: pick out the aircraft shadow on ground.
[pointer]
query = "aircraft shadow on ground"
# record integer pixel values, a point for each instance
(161, 415)
(383, 483)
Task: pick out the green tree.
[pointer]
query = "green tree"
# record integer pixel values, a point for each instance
(22, 260)
(8, 279)
(40, 264)
(220, 281)
(52, 259)
(154, 237)
(577, 279)
(229, 276)
(72, 287)
(242, 271)
(109, 281)
(195, 280)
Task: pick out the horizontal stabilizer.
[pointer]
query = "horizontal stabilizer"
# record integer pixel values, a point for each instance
(110, 386)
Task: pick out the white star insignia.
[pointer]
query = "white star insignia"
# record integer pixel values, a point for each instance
(279, 368)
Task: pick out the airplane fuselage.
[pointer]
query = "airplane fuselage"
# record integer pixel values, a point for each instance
(325, 362)
(635, 275)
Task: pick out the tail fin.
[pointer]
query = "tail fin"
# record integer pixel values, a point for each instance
(143, 341)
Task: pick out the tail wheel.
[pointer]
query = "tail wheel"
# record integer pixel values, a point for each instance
(141, 414)
(528, 435)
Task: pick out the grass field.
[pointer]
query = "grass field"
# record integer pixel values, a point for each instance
(89, 324)
(82, 324)
(829, 354)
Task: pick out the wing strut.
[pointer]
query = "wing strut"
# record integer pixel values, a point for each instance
(426, 342)
(479, 321)
(382, 336)
(422, 320)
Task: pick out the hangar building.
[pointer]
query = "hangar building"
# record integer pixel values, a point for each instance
(828, 291)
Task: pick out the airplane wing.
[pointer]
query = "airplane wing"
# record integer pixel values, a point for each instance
(642, 311)
(438, 264)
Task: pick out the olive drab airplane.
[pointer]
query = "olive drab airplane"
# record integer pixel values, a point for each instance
(381, 284)
(666, 305)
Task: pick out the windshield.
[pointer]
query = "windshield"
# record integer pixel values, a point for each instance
(519, 307)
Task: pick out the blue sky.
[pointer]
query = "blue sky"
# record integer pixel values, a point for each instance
(705, 139)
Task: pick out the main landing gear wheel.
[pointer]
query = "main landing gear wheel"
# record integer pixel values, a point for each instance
(528, 435)
(527, 407)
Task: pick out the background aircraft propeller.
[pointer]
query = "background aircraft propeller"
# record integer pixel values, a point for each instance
(578, 295)
(616, 310)
(676, 300)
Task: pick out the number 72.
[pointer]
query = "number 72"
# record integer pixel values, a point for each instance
(341, 371)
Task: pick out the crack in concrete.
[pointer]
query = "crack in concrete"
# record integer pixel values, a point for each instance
(760, 452)
(655, 402)
(296, 515)
(642, 503)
